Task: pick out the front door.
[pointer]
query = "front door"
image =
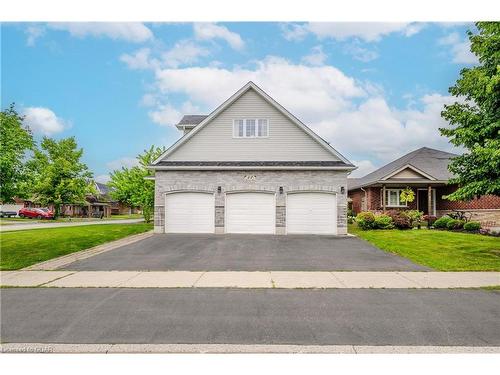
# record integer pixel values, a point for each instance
(423, 200)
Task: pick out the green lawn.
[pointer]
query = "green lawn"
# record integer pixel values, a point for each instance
(441, 250)
(26, 247)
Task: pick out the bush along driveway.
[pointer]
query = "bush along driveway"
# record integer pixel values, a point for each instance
(23, 248)
(441, 250)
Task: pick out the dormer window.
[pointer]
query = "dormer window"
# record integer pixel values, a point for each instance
(250, 128)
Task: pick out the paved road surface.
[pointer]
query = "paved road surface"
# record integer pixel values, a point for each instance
(23, 226)
(312, 317)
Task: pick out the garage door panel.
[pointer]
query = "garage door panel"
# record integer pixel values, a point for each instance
(250, 213)
(311, 213)
(189, 213)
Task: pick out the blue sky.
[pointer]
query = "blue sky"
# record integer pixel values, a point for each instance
(373, 90)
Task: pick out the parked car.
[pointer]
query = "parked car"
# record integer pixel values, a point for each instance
(8, 213)
(37, 213)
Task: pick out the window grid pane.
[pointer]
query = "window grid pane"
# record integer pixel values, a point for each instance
(262, 128)
(250, 128)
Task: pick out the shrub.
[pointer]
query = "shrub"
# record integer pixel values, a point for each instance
(383, 222)
(455, 224)
(365, 220)
(399, 219)
(415, 216)
(472, 226)
(430, 219)
(442, 222)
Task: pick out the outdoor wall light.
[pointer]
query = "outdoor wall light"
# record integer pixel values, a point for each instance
(219, 189)
(281, 189)
(342, 190)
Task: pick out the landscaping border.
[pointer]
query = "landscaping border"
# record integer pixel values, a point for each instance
(56, 263)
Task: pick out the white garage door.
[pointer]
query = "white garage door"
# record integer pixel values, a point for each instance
(189, 213)
(313, 213)
(250, 213)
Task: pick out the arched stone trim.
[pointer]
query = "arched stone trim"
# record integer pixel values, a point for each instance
(242, 188)
(265, 191)
(189, 188)
(312, 189)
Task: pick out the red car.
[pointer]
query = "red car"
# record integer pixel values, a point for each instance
(37, 213)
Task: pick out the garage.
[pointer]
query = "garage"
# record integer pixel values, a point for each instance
(250, 213)
(311, 213)
(189, 212)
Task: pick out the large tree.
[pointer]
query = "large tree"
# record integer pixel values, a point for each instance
(60, 177)
(475, 119)
(15, 141)
(132, 186)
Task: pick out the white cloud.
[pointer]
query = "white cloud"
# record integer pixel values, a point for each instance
(33, 32)
(459, 48)
(294, 32)
(140, 59)
(43, 121)
(366, 31)
(374, 128)
(184, 52)
(135, 32)
(102, 178)
(360, 53)
(316, 58)
(126, 162)
(165, 114)
(311, 91)
(208, 31)
(364, 167)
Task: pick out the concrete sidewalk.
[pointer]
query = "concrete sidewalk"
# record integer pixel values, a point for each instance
(273, 279)
(15, 227)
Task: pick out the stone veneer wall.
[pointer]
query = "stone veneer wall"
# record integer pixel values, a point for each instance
(290, 180)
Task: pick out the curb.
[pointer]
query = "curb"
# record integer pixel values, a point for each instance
(230, 348)
(53, 264)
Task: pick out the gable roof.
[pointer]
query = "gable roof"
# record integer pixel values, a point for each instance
(271, 101)
(430, 163)
(103, 189)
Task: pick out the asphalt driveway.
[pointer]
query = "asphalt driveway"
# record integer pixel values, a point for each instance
(183, 252)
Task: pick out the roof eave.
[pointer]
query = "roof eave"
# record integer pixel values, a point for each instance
(236, 168)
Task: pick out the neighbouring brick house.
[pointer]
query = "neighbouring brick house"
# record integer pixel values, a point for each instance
(426, 172)
(99, 204)
(250, 167)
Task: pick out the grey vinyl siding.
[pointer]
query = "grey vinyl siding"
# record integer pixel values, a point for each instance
(286, 141)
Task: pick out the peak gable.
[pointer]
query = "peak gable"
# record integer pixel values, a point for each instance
(288, 139)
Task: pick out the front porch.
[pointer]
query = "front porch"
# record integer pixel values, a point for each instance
(383, 197)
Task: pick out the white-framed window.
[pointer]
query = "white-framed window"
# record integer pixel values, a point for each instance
(250, 128)
(392, 198)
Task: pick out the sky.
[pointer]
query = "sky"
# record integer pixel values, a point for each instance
(373, 90)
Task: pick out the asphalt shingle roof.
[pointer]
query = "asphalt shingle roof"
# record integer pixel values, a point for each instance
(428, 160)
(192, 119)
(103, 188)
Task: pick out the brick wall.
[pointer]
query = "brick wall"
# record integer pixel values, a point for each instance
(328, 181)
(486, 202)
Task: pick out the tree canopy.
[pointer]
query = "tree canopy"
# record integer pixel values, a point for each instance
(15, 141)
(130, 185)
(60, 177)
(475, 118)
